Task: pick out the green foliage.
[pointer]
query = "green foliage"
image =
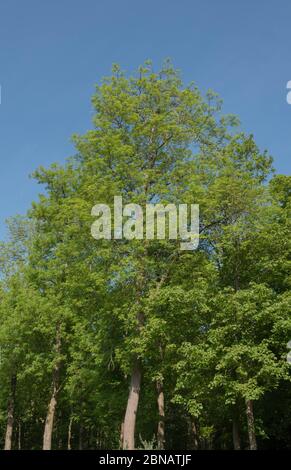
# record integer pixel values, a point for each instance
(215, 322)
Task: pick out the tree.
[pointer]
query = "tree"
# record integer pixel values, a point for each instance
(199, 337)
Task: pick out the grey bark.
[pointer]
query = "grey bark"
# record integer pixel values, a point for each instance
(131, 409)
(161, 410)
(251, 425)
(10, 414)
(49, 422)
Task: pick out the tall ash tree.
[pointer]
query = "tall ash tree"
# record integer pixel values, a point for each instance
(150, 134)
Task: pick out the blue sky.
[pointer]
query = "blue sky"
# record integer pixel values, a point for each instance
(52, 53)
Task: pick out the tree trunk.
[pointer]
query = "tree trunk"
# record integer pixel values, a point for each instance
(81, 436)
(195, 438)
(19, 435)
(161, 409)
(10, 414)
(131, 409)
(49, 422)
(251, 425)
(235, 434)
(70, 433)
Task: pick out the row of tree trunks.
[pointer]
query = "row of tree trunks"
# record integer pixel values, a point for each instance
(128, 427)
(250, 427)
(194, 430)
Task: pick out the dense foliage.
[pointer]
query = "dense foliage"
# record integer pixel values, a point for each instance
(200, 337)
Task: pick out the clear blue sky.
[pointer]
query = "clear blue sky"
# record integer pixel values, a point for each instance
(52, 53)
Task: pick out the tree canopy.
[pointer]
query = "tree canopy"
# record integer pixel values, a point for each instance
(135, 343)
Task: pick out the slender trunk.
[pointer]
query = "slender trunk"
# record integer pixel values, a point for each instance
(235, 434)
(70, 433)
(161, 409)
(19, 435)
(133, 397)
(81, 436)
(90, 439)
(49, 422)
(10, 414)
(131, 409)
(251, 425)
(195, 438)
(60, 443)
